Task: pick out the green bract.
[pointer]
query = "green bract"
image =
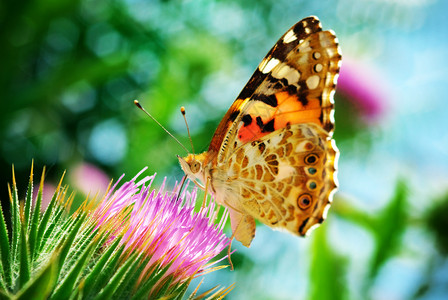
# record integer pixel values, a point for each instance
(86, 255)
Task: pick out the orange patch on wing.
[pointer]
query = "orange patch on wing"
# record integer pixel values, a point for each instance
(288, 111)
(291, 110)
(250, 133)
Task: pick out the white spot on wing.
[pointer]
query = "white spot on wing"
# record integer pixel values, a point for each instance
(311, 229)
(325, 211)
(312, 82)
(335, 79)
(332, 96)
(269, 65)
(290, 36)
(332, 116)
(285, 71)
(304, 45)
(284, 171)
(262, 64)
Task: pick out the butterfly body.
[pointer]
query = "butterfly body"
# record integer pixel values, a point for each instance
(272, 157)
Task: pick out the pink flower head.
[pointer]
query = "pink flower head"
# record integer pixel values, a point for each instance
(163, 225)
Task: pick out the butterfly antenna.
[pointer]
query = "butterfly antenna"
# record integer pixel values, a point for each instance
(182, 110)
(149, 115)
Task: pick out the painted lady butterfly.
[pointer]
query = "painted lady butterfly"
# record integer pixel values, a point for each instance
(272, 157)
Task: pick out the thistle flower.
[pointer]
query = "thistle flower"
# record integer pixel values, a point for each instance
(164, 227)
(136, 243)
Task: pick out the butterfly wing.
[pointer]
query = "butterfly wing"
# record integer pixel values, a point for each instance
(293, 84)
(286, 180)
(290, 97)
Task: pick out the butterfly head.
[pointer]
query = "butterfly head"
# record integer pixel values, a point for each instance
(193, 166)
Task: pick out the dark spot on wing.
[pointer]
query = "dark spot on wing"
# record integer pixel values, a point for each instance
(321, 117)
(259, 122)
(291, 89)
(252, 85)
(329, 127)
(303, 225)
(247, 120)
(268, 127)
(269, 100)
(303, 99)
(271, 78)
(278, 86)
(233, 115)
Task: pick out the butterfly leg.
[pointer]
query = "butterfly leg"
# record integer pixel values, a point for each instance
(243, 227)
(207, 185)
(228, 253)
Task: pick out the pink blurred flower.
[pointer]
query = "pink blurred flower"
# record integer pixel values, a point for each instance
(48, 191)
(364, 87)
(85, 176)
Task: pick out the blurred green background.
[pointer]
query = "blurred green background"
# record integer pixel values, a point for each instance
(70, 69)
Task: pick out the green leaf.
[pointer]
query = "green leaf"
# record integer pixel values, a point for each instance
(146, 287)
(32, 239)
(84, 238)
(108, 270)
(437, 222)
(67, 242)
(2, 281)
(5, 250)
(389, 228)
(16, 223)
(53, 231)
(24, 259)
(129, 283)
(28, 200)
(67, 284)
(327, 273)
(119, 277)
(47, 214)
(4, 295)
(180, 290)
(162, 287)
(40, 286)
(111, 255)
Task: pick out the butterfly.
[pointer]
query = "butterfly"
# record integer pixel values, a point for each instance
(272, 157)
